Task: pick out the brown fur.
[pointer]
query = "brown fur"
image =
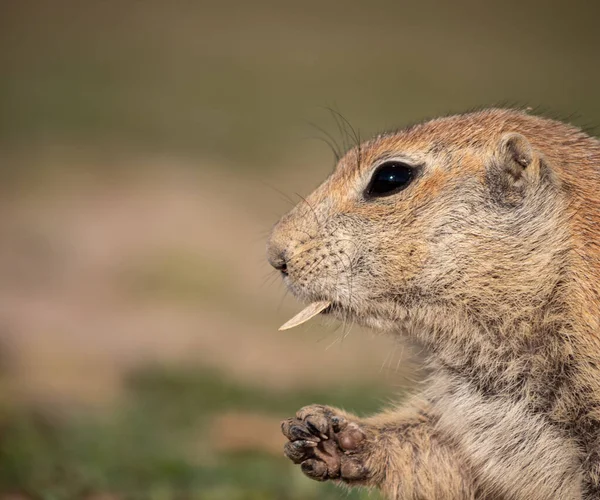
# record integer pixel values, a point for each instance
(491, 260)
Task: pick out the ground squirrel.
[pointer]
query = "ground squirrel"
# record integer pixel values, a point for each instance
(478, 236)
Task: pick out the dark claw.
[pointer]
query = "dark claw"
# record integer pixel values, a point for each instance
(313, 428)
(295, 430)
(298, 451)
(285, 426)
(301, 432)
(305, 444)
(337, 423)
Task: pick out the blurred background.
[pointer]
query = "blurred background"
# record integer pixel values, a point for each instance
(146, 148)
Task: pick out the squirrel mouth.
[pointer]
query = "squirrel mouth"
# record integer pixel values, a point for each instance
(307, 313)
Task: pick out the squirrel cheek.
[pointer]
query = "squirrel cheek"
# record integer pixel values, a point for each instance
(407, 261)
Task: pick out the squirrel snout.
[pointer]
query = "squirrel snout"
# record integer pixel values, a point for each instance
(288, 239)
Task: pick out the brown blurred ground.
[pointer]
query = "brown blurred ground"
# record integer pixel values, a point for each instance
(97, 278)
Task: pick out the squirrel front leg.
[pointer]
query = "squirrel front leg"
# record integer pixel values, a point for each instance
(398, 451)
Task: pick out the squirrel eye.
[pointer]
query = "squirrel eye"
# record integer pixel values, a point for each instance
(389, 178)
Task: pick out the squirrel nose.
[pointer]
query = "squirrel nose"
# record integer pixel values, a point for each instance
(280, 265)
(277, 259)
(276, 254)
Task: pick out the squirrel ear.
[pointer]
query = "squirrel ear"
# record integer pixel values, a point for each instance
(515, 167)
(514, 154)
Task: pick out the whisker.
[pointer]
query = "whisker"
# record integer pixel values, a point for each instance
(311, 208)
(388, 359)
(350, 136)
(341, 130)
(346, 311)
(336, 156)
(285, 293)
(269, 279)
(284, 196)
(336, 340)
(330, 140)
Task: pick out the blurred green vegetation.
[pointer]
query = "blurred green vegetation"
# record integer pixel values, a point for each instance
(237, 81)
(157, 445)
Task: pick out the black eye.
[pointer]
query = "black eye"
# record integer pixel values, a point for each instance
(390, 178)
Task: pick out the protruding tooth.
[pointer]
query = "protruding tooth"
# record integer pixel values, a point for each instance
(306, 313)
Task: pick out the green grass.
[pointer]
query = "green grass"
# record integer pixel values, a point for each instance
(155, 445)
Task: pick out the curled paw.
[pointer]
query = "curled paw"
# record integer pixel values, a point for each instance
(326, 444)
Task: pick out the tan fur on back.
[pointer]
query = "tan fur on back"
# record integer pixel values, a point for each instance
(490, 259)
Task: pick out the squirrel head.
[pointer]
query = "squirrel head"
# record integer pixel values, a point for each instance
(458, 217)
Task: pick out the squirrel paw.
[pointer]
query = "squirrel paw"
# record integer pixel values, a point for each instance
(325, 444)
